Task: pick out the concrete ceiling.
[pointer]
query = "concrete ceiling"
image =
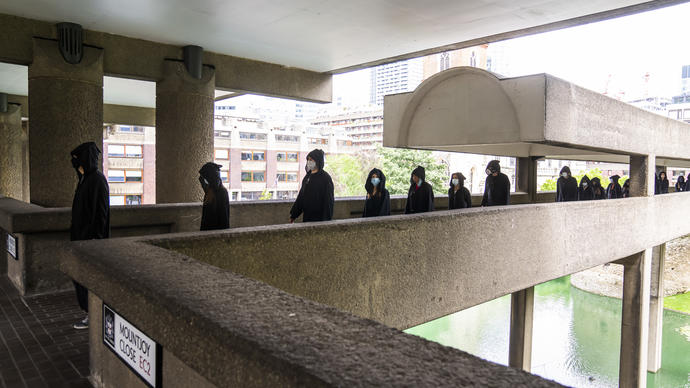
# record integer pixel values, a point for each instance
(318, 35)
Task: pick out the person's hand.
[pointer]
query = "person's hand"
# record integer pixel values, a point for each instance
(292, 220)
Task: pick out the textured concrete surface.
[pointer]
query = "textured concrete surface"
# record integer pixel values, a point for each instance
(406, 270)
(184, 132)
(11, 153)
(66, 109)
(141, 59)
(235, 331)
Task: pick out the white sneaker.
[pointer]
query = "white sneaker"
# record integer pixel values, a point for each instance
(83, 324)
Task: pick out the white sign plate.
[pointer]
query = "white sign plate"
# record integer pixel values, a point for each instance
(139, 352)
(12, 246)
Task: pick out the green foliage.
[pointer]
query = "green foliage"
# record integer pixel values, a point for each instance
(266, 195)
(550, 184)
(397, 164)
(348, 173)
(680, 302)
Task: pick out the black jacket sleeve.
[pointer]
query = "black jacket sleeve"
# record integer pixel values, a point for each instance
(468, 197)
(451, 199)
(297, 208)
(386, 204)
(407, 203)
(431, 199)
(507, 188)
(558, 190)
(99, 201)
(485, 198)
(329, 201)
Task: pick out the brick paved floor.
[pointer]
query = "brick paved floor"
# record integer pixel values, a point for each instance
(38, 346)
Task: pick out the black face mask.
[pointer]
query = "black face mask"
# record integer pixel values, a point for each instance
(75, 163)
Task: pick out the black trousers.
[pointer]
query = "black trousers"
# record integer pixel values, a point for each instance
(82, 296)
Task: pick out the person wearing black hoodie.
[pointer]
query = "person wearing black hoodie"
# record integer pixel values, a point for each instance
(496, 187)
(663, 183)
(614, 190)
(680, 183)
(315, 198)
(584, 191)
(458, 195)
(215, 213)
(598, 192)
(420, 196)
(625, 193)
(90, 209)
(566, 186)
(378, 202)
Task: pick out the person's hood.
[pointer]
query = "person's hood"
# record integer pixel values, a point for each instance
(627, 183)
(596, 182)
(615, 178)
(494, 165)
(419, 172)
(665, 176)
(565, 169)
(87, 156)
(681, 179)
(461, 179)
(319, 157)
(382, 184)
(585, 179)
(211, 172)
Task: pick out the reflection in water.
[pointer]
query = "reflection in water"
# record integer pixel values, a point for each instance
(576, 338)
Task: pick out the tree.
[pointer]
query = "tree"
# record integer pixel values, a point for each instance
(266, 195)
(397, 164)
(348, 174)
(550, 184)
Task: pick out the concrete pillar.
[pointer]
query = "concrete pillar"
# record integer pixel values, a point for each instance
(526, 176)
(656, 308)
(521, 322)
(184, 132)
(642, 170)
(635, 321)
(66, 109)
(11, 153)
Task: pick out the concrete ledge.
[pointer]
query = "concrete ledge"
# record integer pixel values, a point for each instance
(235, 331)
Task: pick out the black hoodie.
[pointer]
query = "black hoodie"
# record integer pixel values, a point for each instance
(315, 198)
(614, 190)
(496, 188)
(91, 204)
(662, 184)
(566, 188)
(625, 193)
(379, 204)
(680, 183)
(598, 192)
(584, 192)
(459, 199)
(420, 198)
(215, 213)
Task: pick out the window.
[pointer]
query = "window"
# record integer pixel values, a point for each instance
(117, 200)
(286, 195)
(287, 138)
(125, 151)
(313, 140)
(251, 195)
(286, 156)
(133, 199)
(254, 155)
(222, 153)
(286, 177)
(127, 128)
(121, 200)
(253, 176)
(252, 136)
(118, 176)
(224, 176)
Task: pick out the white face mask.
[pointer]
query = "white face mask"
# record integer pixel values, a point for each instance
(584, 184)
(419, 183)
(311, 165)
(455, 181)
(564, 175)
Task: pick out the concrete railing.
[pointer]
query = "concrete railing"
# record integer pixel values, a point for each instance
(41, 231)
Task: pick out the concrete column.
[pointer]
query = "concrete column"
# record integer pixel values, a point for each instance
(184, 132)
(635, 320)
(66, 109)
(656, 308)
(526, 176)
(521, 322)
(11, 153)
(642, 169)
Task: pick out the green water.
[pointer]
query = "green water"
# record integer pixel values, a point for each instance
(576, 339)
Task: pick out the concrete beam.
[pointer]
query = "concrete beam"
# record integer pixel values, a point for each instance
(142, 59)
(407, 270)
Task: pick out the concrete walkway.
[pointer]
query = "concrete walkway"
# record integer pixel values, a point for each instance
(38, 346)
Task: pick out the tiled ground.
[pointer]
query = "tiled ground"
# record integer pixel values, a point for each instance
(38, 346)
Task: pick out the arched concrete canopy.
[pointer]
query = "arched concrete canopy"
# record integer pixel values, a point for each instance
(471, 110)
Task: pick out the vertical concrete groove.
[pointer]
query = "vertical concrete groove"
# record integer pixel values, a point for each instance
(656, 308)
(521, 324)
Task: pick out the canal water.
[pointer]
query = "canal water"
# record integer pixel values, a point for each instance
(576, 339)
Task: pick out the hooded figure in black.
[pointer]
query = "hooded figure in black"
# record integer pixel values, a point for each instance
(315, 198)
(680, 184)
(90, 208)
(216, 211)
(687, 185)
(614, 190)
(458, 195)
(598, 192)
(566, 186)
(584, 191)
(420, 196)
(662, 183)
(378, 202)
(496, 187)
(625, 193)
